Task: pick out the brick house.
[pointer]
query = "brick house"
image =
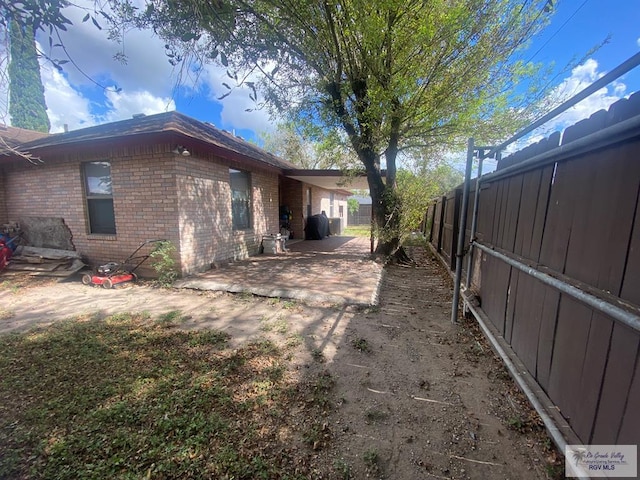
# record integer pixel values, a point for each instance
(166, 176)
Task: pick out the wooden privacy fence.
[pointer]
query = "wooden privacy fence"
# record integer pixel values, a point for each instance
(570, 212)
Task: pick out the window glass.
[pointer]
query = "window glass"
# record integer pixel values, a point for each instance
(97, 180)
(240, 199)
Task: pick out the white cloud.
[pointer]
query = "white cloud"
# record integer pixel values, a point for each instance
(67, 105)
(581, 77)
(234, 112)
(123, 105)
(91, 49)
(638, 42)
(147, 80)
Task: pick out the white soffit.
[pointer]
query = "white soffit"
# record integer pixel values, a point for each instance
(329, 179)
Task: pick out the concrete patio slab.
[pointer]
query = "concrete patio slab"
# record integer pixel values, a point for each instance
(334, 270)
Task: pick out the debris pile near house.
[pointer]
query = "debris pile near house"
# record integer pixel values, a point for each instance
(40, 246)
(45, 261)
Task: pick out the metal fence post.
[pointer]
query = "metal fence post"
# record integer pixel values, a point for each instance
(462, 228)
(474, 221)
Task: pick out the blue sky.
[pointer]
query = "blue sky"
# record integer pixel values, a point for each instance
(147, 81)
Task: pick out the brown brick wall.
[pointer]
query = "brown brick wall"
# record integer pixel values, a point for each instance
(205, 214)
(156, 195)
(144, 197)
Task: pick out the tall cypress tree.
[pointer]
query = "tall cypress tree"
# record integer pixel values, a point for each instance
(27, 106)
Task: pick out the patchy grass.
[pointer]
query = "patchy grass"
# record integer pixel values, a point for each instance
(294, 340)
(373, 416)
(290, 305)
(121, 397)
(370, 457)
(172, 318)
(317, 355)
(246, 297)
(357, 231)
(361, 344)
(17, 282)
(277, 324)
(343, 469)
(371, 460)
(9, 286)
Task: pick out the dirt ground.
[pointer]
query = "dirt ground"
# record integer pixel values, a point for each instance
(415, 396)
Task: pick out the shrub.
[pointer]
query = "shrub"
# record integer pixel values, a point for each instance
(163, 262)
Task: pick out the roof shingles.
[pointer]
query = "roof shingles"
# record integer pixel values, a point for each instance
(169, 122)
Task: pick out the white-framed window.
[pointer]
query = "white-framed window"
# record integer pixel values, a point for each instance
(99, 197)
(240, 199)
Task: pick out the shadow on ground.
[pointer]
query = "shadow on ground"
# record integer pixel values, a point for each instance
(336, 270)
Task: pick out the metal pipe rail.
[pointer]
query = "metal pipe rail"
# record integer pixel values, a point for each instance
(474, 220)
(462, 229)
(623, 316)
(619, 132)
(607, 136)
(558, 428)
(605, 80)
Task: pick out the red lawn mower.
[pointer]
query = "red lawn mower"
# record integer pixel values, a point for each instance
(114, 273)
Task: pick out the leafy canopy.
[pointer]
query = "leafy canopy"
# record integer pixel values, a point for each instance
(36, 13)
(392, 75)
(309, 146)
(389, 72)
(389, 75)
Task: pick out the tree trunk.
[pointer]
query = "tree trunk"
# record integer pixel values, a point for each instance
(386, 216)
(384, 201)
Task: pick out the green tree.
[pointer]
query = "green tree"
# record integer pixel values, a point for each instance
(308, 146)
(27, 106)
(416, 191)
(353, 206)
(36, 13)
(391, 75)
